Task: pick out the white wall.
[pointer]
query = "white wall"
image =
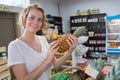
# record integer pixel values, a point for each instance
(69, 8)
(50, 6)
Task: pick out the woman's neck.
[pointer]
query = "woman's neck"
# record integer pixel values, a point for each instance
(28, 36)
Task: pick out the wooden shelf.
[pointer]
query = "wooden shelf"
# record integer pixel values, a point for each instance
(4, 69)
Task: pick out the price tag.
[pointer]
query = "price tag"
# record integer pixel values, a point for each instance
(91, 72)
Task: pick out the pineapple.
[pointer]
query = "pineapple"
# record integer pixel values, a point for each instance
(115, 72)
(99, 65)
(62, 41)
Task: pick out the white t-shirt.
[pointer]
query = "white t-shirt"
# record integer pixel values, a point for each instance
(20, 53)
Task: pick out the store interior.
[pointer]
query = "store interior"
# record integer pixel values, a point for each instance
(98, 45)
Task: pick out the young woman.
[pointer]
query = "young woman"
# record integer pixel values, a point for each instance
(30, 56)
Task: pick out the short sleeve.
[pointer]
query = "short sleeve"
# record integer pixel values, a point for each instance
(14, 55)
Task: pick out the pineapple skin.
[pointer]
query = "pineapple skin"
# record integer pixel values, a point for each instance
(63, 44)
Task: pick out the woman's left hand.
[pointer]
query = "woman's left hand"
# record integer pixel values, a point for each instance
(72, 41)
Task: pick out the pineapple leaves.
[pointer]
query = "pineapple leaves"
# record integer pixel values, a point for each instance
(81, 31)
(115, 72)
(98, 64)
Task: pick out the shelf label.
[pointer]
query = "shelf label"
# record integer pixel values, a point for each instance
(91, 71)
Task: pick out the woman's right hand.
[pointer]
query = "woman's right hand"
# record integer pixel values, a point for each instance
(51, 51)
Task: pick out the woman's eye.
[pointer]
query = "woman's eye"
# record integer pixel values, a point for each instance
(31, 18)
(40, 20)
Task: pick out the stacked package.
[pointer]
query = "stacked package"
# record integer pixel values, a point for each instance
(4, 69)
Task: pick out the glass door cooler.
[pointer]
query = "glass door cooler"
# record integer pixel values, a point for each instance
(113, 35)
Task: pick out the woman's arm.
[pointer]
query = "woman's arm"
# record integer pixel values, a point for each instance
(72, 41)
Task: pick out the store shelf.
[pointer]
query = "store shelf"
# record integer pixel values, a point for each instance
(113, 51)
(113, 40)
(113, 33)
(96, 26)
(4, 69)
(56, 21)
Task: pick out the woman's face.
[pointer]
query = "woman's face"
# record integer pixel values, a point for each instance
(34, 20)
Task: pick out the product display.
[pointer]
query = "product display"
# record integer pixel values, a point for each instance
(96, 31)
(98, 65)
(4, 69)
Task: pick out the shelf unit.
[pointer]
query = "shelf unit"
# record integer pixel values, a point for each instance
(56, 21)
(96, 26)
(5, 73)
(113, 35)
